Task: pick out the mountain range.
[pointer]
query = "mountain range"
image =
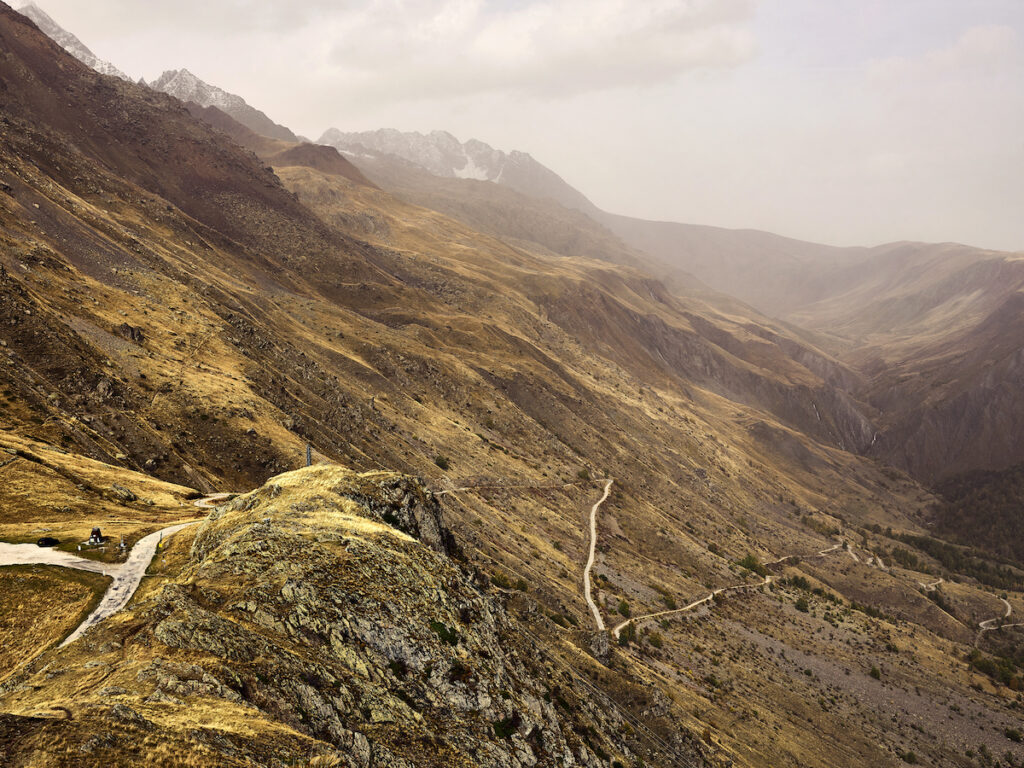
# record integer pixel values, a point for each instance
(183, 85)
(69, 42)
(504, 397)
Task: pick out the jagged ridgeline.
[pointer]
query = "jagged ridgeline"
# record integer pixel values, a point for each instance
(322, 615)
(188, 303)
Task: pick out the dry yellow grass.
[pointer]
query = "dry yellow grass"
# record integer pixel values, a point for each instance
(40, 605)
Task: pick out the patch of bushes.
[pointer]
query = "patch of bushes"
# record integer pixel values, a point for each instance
(999, 669)
(870, 610)
(968, 562)
(504, 729)
(443, 462)
(751, 563)
(628, 634)
(798, 582)
(447, 634)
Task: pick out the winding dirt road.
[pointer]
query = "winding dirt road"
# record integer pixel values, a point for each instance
(990, 625)
(126, 576)
(213, 500)
(708, 598)
(590, 557)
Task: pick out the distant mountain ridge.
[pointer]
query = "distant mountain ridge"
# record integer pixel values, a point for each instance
(69, 42)
(179, 83)
(441, 154)
(185, 86)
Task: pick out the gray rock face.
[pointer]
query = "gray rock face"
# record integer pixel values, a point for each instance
(183, 85)
(293, 606)
(442, 154)
(69, 42)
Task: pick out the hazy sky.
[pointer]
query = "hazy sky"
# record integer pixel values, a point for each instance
(840, 121)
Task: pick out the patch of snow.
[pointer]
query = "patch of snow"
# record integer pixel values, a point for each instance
(69, 42)
(472, 171)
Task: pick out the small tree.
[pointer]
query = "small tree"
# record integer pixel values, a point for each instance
(628, 634)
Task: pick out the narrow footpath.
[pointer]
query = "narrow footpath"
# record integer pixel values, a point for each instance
(590, 557)
(708, 598)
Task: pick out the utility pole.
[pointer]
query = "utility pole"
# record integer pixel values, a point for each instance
(309, 455)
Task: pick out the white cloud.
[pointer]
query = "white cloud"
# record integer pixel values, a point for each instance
(980, 51)
(391, 49)
(849, 121)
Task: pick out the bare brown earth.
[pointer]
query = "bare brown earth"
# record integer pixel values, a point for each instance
(185, 317)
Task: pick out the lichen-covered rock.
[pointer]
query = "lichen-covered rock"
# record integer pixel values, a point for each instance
(325, 606)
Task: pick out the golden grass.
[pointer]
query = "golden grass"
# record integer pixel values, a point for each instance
(41, 604)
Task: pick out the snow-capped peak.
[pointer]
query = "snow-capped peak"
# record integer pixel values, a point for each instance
(185, 86)
(442, 154)
(68, 41)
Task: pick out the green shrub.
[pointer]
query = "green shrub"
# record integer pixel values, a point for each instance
(1013, 735)
(442, 462)
(803, 605)
(751, 563)
(628, 634)
(504, 729)
(799, 582)
(876, 673)
(446, 633)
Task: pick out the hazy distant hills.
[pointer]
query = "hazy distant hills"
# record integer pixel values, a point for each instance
(69, 42)
(441, 154)
(929, 327)
(171, 309)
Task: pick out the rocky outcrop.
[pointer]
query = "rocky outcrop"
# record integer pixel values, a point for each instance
(69, 42)
(325, 603)
(186, 87)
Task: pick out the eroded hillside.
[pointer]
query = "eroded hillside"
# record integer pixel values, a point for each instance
(321, 614)
(180, 313)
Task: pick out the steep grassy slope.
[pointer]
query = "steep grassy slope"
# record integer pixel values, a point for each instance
(930, 330)
(159, 317)
(320, 614)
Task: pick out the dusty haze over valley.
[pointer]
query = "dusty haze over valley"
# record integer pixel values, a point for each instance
(512, 384)
(850, 122)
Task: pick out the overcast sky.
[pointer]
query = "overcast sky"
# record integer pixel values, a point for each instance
(839, 121)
